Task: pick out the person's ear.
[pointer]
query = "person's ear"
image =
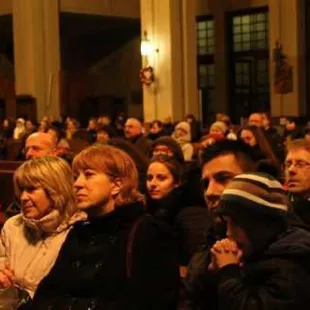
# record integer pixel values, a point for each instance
(116, 187)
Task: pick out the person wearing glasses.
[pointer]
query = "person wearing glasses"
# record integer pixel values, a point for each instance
(297, 177)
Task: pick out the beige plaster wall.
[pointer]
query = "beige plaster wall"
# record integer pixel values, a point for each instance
(6, 7)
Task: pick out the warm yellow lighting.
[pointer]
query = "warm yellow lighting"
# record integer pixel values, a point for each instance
(146, 48)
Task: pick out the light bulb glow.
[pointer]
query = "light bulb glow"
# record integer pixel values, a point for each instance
(146, 48)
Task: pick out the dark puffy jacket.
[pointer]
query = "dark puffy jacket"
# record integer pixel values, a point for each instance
(301, 207)
(91, 271)
(278, 278)
(188, 221)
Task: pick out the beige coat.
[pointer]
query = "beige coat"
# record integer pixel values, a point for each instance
(32, 257)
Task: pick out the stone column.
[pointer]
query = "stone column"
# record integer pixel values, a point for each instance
(37, 53)
(170, 25)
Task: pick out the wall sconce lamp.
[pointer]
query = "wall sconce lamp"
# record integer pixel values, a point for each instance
(147, 76)
(146, 46)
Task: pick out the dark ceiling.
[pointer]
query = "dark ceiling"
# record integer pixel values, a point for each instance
(85, 39)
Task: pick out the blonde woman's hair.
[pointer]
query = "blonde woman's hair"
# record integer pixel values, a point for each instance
(54, 175)
(116, 164)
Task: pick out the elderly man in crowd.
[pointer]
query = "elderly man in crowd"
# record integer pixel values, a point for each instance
(40, 144)
(134, 133)
(297, 177)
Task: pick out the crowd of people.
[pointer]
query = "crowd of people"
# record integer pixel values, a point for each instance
(126, 215)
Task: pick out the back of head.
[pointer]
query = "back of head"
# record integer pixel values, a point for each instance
(115, 163)
(107, 129)
(54, 175)
(140, 160)
(58, 132)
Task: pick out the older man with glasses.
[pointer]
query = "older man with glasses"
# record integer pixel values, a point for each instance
(297, 177)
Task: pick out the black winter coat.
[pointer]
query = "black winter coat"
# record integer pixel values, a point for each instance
(90, 272)
(188, 222)
(301, 207)
(276, 279)
(198, 279)
(142, 144)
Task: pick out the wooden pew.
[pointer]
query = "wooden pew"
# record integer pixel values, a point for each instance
(9, 164)
(13, 148)
(7, 169)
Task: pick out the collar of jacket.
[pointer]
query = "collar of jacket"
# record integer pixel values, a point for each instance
(135, 138)
(169, 206)
(122, 216)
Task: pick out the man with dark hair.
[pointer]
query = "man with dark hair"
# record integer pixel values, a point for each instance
(220, 163)
(133, 132)
(263, 263)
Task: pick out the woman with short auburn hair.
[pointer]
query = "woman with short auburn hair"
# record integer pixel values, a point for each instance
(121, 258)
(113, 162)
(30, 241)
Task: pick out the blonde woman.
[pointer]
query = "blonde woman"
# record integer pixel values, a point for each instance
(30, 241)
(120, 258)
